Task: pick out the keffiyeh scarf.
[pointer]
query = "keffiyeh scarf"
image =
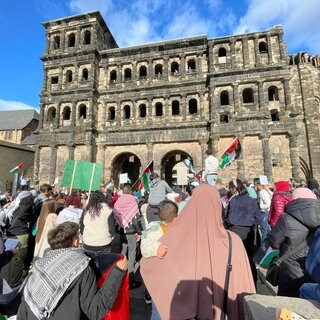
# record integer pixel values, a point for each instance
(51, 277)
(125, 209)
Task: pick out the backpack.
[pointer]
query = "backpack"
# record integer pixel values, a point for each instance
(313, 257)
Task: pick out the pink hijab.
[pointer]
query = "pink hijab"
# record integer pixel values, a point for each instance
(189, 281)
(303, 193)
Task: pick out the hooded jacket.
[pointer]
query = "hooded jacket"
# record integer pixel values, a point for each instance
(293, 227)
(158, 191)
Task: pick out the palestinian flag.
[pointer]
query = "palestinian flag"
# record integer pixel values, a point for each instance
(145, 177)
(231, 153)
(18, 168)
(189, 164)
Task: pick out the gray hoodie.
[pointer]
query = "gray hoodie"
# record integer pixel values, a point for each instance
(158, 191)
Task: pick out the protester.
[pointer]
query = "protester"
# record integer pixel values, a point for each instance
(188, 282)
(19, 229)
(150, 245)
(60, 202)
(293, 227)
(63, 284)
(313, 185)
(127, 216)
(157, 193)
(211, 168)
(46, 222)
(242, 217)
(264, 200)
(188, 191)
(97, 224)
(281, 197)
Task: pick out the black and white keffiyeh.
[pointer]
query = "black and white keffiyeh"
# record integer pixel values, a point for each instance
(51, 276)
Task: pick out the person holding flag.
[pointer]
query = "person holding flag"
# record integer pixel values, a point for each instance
(211, 165)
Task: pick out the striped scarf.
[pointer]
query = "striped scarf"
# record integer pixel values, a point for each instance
(51, 277)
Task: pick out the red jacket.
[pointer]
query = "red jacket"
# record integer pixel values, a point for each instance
(278, 203)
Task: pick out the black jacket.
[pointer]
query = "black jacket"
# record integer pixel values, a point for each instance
(20, 220)
(301, 217)
(83, 300)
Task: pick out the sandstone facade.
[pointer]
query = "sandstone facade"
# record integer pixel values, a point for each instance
(124, 107)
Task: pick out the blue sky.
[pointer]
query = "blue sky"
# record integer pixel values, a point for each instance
(134, 22)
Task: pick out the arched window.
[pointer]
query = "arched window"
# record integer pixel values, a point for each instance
(71, 40)
(87, 37)
(193, 106)
(175, 68)
(159, 109)
(191, 66)
(56, 42)
(51, 114)
(263, 47)
(66, 114)
(127, 112)
(158, 70)
(224, 98)
(247, 95)
(175, 108)
(222, 55)
(69, 76)
(224, 118)
(85, 75)
(113, 76)
(143, 72)
(112, 114)
(82, 111)
(127, 74)
(273, 94)
(274, 115)
(142, 111)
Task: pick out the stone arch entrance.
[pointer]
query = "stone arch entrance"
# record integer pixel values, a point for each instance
(305, 169)
(126, 162)
(169, 160)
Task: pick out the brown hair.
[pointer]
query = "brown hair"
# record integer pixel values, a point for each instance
(48, 206)
(168, 210)
(63, 235)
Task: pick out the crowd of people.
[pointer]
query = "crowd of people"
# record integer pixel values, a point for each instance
(181, 239)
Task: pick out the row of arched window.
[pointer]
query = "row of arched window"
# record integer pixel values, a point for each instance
(66, 113)
(127, 114)
(248, 95)
(71, 40)
(69, 77)
(158, 71)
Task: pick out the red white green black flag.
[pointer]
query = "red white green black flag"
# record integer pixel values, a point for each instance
(18, 168)
(231, 153)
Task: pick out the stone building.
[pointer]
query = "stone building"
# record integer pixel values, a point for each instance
(16, 125)
(166, 101)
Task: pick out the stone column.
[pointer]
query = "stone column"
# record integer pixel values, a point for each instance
(236, 98)
(73, 113)
(150, 74)
(287, 93)
(71, 147)
(182, 65)
(214, 144)
(149, 111)
(165, 68)
(267, 163)
(240, 161)
(184, 107)
(245, 52)
(101, 157)
(46, 84)
(204, 146)
(256, 51)
(53, 163)
(77, 78)
(213, 103)
(282, 46)
(57, 119)
(201, 106)
(150, 151)
(233, 54)
(118, 114)
(60, 80)
(119, 73)
(294, 154)
(134, 71)
(40, 125)
(36, 163)
(269, 49)
(262, 98)
(89, 147)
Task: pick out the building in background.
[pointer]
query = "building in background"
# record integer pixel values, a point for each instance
(124, 107)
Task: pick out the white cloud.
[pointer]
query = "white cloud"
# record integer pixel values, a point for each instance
(81, 6)
(300, 21)
(14, 105)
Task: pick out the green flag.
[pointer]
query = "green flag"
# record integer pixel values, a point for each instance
(82, 175)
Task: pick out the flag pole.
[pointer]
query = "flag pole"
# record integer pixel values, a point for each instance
(142, 173)
(91, 180)
(73, 175)
(228, 147)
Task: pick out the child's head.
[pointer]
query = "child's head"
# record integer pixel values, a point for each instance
(168, 211)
